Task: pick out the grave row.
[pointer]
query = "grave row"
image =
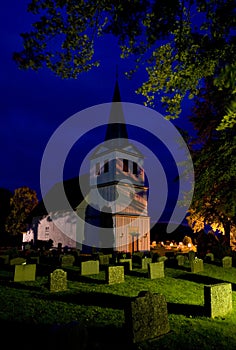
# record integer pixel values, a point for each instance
(146, 315)
(24, 272)
(105, 260)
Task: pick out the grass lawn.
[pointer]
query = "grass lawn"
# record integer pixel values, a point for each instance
(94, 311)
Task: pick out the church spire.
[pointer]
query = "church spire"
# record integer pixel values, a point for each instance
(116, 128)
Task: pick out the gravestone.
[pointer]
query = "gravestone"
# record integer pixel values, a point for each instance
(191, 256)
(146, 317)
(25, 273)
(145, 262)
(156, 270)
(33, 260)
(218, 299)
(162, 258)
(4, 259)
(67, 260)
(137, 258)
(209, 257)
(196, 265)
(115, 274)
(58, 281)
(104, 259)
(227, 261)
(90, 267)
(127, 264)
(180, 260)
(17, 261)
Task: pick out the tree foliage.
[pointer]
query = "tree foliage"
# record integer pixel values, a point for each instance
(180, 42)
(22, 202)
(214, 160)
(5, 197)
(214, 200)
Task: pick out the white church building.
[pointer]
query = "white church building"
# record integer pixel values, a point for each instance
(114, 213)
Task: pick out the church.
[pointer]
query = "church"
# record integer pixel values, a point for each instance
(113, 214)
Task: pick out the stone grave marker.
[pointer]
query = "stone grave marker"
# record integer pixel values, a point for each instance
(67, 260)
(104, 259)
(4, 259)
(145, 262)
(115, 274)
(34, 259)
(127, 263)
(156, 270)
(180, 260)
(191, 256)
(25, 273)
(209, 257)
(17, 261)
(196, 265)
(218, 299)
(58, 281)
(227, 261)
(90, 267)
(146, 317)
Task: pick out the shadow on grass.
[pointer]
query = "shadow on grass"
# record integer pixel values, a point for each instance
(206, 280)
(111, 337)
(107, 300)
(186, 309)
(65, 336)
(137, 273)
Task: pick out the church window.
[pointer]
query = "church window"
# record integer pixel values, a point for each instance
(125, 165)
(106, 166)
(135, 168)
(46, 231)
(97, 168)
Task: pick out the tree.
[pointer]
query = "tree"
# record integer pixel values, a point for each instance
(180, 42)
(5, 197)
(214, 197)
(22, 203)
(214, 157)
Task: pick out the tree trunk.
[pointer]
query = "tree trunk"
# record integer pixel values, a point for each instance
(227, 227)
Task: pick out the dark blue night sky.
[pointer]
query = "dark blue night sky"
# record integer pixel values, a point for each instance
(34, 104)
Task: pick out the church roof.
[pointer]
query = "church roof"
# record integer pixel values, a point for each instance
(116, 128)
(73, 194)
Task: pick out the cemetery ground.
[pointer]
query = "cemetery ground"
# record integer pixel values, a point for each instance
(90, 313)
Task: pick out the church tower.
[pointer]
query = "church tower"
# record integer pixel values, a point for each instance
(117, 185)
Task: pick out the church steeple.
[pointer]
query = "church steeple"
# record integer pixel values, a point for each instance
(116, 128)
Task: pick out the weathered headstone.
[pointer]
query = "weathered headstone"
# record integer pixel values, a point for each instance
(196, 265)
(115, 274)
(58, 280)
(180, 260)
(25, 273)
(145, 262)
(162, 258)
(227, 261)
(191, 256)
(104, 259)
(146, 317)
(90, 267)
(67, 260)
(18, 261)
(34, 259)
(127, 262)
(218, 299)
(4, 259)
(209, 257)
(156, 270)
